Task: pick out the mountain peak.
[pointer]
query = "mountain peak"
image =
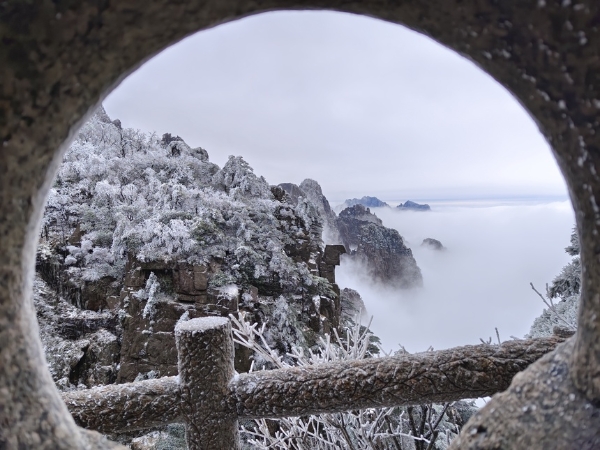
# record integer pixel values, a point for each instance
(413, 206)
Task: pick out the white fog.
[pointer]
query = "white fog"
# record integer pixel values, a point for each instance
(481, 281)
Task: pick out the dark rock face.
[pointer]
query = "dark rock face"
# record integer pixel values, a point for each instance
(412, 206)
(194, 291)
(433, 244)
(82, 347)
(353, 306)
(147, 322)
(99, 295)
(381, 249)
(360, 213)
(167, 138)
(293, 190)
(369, 202)
(331, 258)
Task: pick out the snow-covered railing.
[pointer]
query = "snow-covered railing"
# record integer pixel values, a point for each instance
(210, 398)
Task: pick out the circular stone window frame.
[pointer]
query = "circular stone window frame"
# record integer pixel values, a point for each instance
(59, 59)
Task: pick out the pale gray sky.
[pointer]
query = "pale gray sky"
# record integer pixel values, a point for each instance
(360, 105)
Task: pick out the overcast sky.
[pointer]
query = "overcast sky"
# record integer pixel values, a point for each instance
(360, 105)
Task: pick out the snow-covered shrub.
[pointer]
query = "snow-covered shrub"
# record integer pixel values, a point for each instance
(122, 193)
(423, 427)
(566, 287)
(150, 294)
(562, 314)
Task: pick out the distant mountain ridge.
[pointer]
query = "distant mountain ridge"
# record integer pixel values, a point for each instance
(369, 202)
(412, 206)
(374, 202)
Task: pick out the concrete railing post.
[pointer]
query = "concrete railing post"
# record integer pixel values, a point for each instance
(205, 351)
(442, 376)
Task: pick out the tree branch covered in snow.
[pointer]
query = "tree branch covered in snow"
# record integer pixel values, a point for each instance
(565, 287)
(383, 428)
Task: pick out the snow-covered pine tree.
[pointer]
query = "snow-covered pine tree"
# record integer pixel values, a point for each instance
(566, 288)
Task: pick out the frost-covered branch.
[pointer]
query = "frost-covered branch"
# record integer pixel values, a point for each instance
(562, 316)
(364, 391)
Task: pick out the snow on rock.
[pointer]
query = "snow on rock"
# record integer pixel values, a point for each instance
(81, 347)
(148, 230)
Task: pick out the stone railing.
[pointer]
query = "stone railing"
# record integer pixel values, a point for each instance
(210, 398)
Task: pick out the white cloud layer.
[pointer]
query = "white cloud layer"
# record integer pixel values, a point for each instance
(480, 282)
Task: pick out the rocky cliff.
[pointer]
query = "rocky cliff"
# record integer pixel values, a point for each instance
(381, 250)
(142, 232)
(82, 347)
(310, 191)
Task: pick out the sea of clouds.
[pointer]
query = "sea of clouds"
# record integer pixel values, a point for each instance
(481, 281)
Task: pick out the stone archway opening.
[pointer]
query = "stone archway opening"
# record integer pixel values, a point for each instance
(545, 53)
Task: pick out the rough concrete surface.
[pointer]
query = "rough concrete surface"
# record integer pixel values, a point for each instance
(120, 408)
(542, 410)
(214, 391)
(205, 349)
(449, 375)
(58, 59)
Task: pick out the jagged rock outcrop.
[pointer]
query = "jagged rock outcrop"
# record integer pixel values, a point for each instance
(311, 191)
(382, 250)
(433, 244)
(82, 347)
(353, 306)
(314, 194)
(412, 206)
(386, 259)
(293, 190)
(148, 232)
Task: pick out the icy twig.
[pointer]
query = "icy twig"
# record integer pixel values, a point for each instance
(550, 305)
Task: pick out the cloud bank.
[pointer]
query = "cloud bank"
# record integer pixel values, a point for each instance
(480, 282)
